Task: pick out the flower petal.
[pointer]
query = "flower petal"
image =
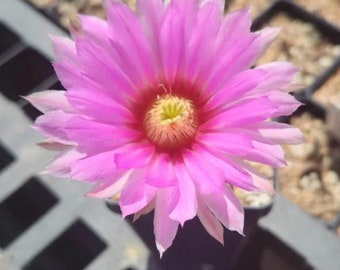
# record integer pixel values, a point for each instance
(62, 163)
(165, 228)
(133, 52)
(95, 137)
(96, 167)
(209, 221)
(51, 124)
(50, 100)
(186, 206)
(110, 187)
(135, 195)
(160, 163)
(244, 112)
(227, 208)
(207, 179)
(134, 155)
(278, 132)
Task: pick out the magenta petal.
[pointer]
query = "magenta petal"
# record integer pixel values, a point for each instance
(209, 221)
(237, 86)
(135, 195)
(172, 52)
(94, 136)
(186, 207)
(285, 102)
(96, 104)
(279, 133)
(51, 124)
(239, 114)
(94, 168)
(279, 76)
(56, 144)
(228, 142)
(133, 52)
(62, 163)
(110, 187)
(219, 3)
(257, 180)
(150, 13)
(165, 228)
(64, 50)
(50, 100)
(97, 65)
(208, 179)
(160, 163)
(205, 27)
(236, 173)
(134, 155)
(269, 154)
(227, 208)
(146, 210)
(94, 28)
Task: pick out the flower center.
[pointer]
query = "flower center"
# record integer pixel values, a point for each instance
(171, 122)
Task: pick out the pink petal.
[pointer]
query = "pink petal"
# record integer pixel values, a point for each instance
(147, 209)
(172, 52)
(94, 28)
(209, 221)
(272, 155)
(227, 208)
(279, 133)
(56, 144)
(285, 103)
(265, 38)
(244, 112)
(51, 124)
(279, 76)
(64, 50)
(135, 195)
(97, 65)
(165, 228)
(92, 102)
(95, 167)
(235, 38)
(258, 182)
(236, 173)
(134, 155)
(186, 207)
(69, 75)
(150, 13)
(205, 27)
(228, 142)
(160, 172)
(207, 178)
(61, 164)
(237, 86)
(50, 100)
(219, 3)
(132, 51)
(110, 187)
(94, 136)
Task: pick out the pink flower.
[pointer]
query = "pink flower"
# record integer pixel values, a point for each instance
(163, 109)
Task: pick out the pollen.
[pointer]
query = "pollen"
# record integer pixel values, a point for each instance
(171, 122)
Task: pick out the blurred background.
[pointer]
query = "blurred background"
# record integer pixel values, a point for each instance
(46, 223)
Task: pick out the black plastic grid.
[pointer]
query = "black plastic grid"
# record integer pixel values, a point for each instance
(266, 252)
(8, 38)
(23, 72)
(74, 249)
(23, 208)
(6, 157)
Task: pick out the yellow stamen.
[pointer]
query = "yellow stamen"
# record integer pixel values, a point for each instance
(171, 122)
